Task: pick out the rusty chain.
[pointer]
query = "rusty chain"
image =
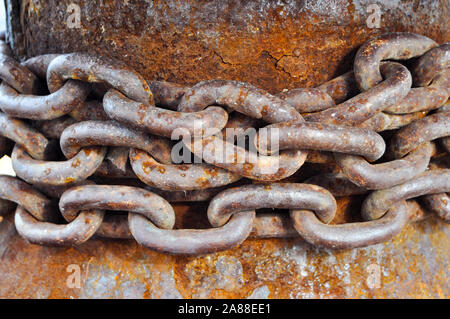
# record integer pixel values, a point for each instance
(88, 136)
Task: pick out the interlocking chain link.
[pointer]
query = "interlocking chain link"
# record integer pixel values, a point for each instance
(96, 150)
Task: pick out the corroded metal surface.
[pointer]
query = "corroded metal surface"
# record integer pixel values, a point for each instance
(414, 264)
(273, 45)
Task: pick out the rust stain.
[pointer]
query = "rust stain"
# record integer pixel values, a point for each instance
(69, 180)
(253, 43)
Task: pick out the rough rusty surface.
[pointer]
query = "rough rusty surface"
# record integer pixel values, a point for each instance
(414, 264)
(272, 45)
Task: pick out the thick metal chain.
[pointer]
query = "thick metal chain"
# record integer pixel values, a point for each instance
(94, 136)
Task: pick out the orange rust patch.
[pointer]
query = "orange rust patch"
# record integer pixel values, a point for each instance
(203, 182)
(161, 169)
(69, 180)
(211, 172)
(148, 166)
(76, 163)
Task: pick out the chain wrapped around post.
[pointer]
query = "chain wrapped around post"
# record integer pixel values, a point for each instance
(100, 151)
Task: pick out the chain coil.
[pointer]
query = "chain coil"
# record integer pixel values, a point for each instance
(96, 149)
